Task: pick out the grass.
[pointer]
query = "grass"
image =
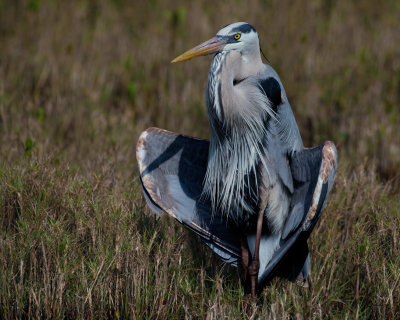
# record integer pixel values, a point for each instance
(80, 80)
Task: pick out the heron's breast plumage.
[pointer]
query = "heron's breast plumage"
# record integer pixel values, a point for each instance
(241, 119)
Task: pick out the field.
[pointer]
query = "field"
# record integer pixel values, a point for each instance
(79, 81)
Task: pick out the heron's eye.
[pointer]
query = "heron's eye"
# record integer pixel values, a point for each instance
(236, 36)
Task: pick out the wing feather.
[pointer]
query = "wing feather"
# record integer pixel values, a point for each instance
(313, 172)
(172, 169)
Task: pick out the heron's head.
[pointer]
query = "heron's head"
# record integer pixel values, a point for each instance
(238, 36)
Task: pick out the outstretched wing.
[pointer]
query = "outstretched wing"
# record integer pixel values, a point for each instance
(313, 171)
(172, 169)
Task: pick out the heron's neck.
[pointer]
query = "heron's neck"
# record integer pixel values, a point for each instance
(227, 98)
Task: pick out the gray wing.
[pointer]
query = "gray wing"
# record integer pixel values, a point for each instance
(284, 137)
(172, 169)
(313, 172)
(287, 127)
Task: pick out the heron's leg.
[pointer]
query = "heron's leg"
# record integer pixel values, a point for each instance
(255, 264)
(245, 256)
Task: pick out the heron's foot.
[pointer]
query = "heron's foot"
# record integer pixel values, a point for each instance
(253, 272)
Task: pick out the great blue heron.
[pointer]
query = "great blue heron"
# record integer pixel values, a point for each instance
(253, 193)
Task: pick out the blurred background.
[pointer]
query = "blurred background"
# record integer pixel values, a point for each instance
(90, 75)
(79, 81)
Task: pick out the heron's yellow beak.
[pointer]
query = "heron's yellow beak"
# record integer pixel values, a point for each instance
(213, 45)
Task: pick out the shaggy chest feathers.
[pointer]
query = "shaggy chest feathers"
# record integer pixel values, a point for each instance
(240, 117)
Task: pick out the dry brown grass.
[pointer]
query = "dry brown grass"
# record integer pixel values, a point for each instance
(80, 80)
